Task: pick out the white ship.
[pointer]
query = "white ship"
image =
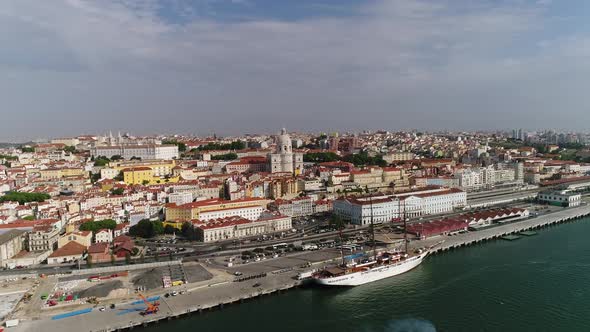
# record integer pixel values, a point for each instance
(354, 274)
(377, 267)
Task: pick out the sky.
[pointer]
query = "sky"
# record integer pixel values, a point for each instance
(71, 67)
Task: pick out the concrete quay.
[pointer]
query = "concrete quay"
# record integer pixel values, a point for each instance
(222, 291)
(199, 298)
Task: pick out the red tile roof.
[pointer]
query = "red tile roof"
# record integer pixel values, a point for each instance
(98, 248)
(70, 249)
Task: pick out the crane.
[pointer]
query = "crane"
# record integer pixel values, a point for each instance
(151, 308)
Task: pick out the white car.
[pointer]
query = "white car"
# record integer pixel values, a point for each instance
(102, 309)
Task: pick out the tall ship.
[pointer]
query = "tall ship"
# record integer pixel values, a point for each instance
(361, 269)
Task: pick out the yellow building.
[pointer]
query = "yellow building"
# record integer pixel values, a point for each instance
(145, 176)
(81, 237)
(58, 173)
(159, 168)
(137, 175)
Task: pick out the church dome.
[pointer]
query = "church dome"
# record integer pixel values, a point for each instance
(284, 144)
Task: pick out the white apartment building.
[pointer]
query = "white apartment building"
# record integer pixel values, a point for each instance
(109, 173)
(475, 178)
(479, 178)
(250, 213)
(180, 198)
(237, 227)
(151, 151)
(311, 184)
(398, 156)
(44, 237)
(297, 207)
(103, 235)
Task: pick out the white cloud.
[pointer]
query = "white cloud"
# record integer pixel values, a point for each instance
(398, 63)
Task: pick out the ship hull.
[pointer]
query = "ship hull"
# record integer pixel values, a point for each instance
(374, 274)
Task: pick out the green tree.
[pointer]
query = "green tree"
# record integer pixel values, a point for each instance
(117, 191)
(22, 198)
(336, 222)
(158, 227)
(7, 157)
(169, 229)
(95, 226)
(94, 177)
(116, 157)
(181, 145)
(70, 149)
(101, 161)
(26, 149)
(320, 157)
(237, 145)
(145, 182)
(89, 261)
(188, 231)
(363, 159)
(227, 156)
(146, 228)
(127, 258)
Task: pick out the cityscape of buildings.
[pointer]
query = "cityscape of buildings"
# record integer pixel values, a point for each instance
(94, 199)
(234, 187)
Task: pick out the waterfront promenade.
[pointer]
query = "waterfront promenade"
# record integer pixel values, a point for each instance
(223, 291)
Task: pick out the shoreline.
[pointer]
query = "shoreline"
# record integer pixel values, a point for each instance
(212, 296)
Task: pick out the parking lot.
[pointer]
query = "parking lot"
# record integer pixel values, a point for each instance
(298, 259)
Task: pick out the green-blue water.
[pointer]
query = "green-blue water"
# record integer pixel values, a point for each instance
(537, 283)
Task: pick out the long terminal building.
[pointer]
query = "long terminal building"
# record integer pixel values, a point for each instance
(388, 208)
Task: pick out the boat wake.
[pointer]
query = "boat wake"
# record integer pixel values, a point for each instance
(410, 325)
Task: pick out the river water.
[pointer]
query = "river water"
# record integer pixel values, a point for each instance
(536, 283)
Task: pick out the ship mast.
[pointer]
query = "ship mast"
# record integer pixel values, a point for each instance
(405, 225)
(372, 226)
(341, 248)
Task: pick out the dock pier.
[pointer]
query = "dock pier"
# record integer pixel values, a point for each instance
(497, 232)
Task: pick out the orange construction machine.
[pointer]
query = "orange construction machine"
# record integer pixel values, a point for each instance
(151, 308)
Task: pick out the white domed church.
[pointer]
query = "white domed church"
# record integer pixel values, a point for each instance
(284, 160)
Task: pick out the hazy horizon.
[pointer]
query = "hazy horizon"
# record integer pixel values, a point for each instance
(244, 66)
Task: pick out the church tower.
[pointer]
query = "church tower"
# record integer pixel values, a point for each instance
(284, 160)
